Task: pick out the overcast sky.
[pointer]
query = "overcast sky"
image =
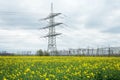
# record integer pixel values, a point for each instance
(93, 23)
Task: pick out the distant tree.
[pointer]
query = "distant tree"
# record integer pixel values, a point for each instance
(39, 53)
(57, 53)
(46, 53)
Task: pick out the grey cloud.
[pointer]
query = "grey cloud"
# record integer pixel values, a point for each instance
(113, 3)
(98, 18)
(14, 16)
(113, 30)
(19, 21)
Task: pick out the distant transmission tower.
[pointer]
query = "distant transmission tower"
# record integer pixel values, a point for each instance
(52, 48)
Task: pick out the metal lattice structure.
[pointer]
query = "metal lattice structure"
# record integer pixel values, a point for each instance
(52, 48)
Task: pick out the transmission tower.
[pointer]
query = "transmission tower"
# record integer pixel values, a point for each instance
(52, 47)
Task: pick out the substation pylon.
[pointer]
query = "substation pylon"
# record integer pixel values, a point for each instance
(52, 47)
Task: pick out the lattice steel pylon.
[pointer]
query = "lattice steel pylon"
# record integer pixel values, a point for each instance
(52, 48)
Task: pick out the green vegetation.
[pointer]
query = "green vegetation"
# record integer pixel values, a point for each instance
(59, 68)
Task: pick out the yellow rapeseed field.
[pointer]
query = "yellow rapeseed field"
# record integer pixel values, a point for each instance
(59, 68)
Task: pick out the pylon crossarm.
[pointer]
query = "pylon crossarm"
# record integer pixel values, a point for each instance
(52, 25)
(52, 15)
(50, 35)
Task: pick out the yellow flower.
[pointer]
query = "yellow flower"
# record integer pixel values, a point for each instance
(92, 74)
(105, 76)
(4, 78)
(65, 77)
(33, 72)
(27, 70)
(67, 70)
(88, 76)
(85, 72)
(103, 68)
(47, 79)
(24, 73)
(0, 71)
(45, 75)
(52, 75)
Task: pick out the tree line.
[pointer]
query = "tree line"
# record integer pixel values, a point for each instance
(108, 51)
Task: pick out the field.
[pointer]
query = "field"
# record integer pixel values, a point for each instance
(59, 68)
